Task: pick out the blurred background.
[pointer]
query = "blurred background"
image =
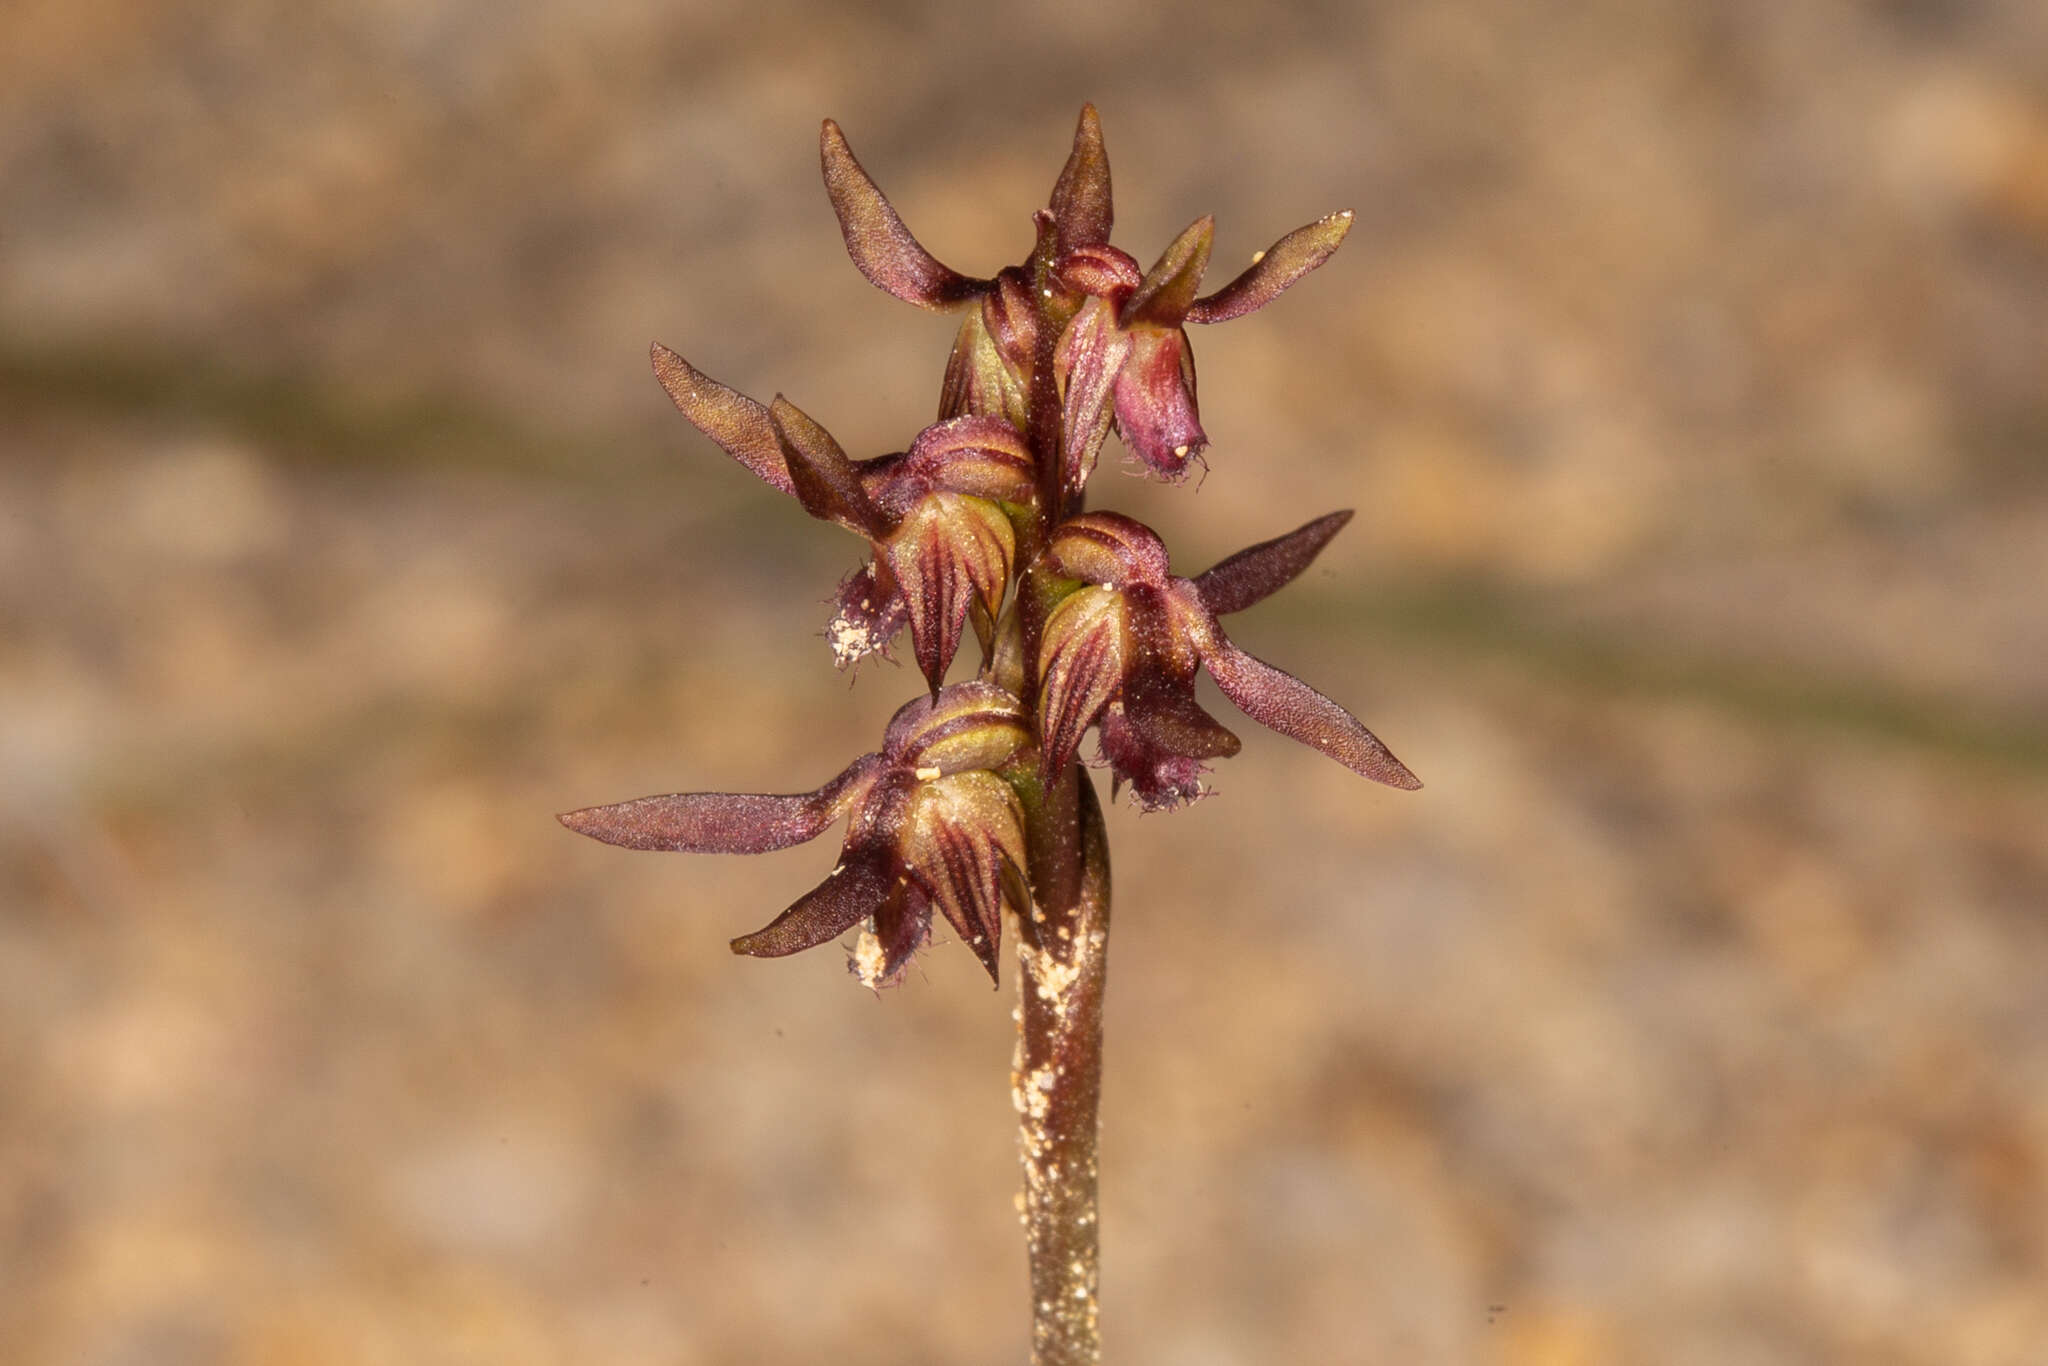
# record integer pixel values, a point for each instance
(1688, 367)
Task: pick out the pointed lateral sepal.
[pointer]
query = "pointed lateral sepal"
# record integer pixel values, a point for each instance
(851, 893)
(1082, 206)
(1091, 355)
(723, 822)
(1257, 572)
(1280, 701)
(881, 247)
(1273, 270)
(1080, 665)
(740, 426)
(1163, 297)
(965, 829)
(825, 480)
(948, 550)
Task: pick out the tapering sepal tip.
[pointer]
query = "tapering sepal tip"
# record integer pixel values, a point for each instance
(881, 247)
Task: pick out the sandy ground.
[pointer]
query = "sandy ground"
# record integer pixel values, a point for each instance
(1688, 367)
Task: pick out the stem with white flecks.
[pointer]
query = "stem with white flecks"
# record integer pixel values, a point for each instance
(1063, 949)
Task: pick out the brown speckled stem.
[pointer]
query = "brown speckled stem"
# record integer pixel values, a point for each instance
(1057, 1082)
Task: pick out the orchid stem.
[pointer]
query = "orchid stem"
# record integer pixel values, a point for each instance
(1063, 949)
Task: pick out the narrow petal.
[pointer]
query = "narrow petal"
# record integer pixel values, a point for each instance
(1259, 571)
(1080, 666)
(950, 548)
(1082, 206)
(739, 425)
(967, 827)
(723, 822)
(826, 482)
(851, 893)
(1282, 702)
(1163, 297)
(1273, 270)
(1091, 355)
(881, 247)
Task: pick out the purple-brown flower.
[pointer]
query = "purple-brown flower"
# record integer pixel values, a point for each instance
(1121, 652)
(933, 515)
(932, 822)
(1126, 354)
(988, 370)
